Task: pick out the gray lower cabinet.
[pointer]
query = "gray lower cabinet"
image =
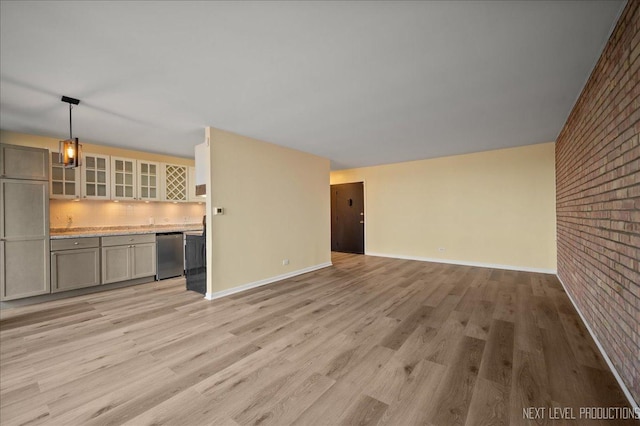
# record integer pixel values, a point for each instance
(143, 263)
(24, 268)
(116, 264)
(75, 263)
(135, 259)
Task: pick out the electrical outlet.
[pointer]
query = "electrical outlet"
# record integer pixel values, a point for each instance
(285, 262)
(441, 249)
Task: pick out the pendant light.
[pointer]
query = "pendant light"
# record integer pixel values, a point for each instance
(70, 151)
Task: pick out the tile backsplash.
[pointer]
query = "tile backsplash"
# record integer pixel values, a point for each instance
(86, 213)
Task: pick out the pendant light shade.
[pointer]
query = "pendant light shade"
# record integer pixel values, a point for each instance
(70, 151)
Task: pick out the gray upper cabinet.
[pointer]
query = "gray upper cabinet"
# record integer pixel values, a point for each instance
(23, 162)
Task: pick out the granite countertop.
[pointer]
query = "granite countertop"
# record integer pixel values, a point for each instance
(104, 231)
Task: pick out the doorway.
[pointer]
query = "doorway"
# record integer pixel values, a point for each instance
(347, 217)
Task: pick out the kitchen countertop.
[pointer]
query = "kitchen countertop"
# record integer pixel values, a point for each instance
(105, 231)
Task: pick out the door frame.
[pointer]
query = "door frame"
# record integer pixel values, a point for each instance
(364, 197)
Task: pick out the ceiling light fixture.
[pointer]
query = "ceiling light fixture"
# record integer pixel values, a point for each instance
(70, 151)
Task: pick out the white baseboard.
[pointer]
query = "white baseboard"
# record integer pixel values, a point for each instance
(623, 386)
(248, 286)
(465, 263)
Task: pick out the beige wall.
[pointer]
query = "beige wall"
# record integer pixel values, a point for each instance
(276, 203)
(494, 207)
(90, 213)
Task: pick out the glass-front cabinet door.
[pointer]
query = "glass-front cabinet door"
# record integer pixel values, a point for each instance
(95, 176)
(64, 182)
(148, 181)
(123, 178)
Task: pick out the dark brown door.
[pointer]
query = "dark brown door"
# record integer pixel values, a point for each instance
(347, 218)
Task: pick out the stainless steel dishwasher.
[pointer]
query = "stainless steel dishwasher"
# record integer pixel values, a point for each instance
(170, 255)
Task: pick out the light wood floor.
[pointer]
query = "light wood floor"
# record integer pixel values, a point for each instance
(367, 341)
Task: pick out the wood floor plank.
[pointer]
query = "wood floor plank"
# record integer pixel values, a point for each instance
(397, 337)
(527, 335)
(489, 404)
(580, 342)
(497, 363)
(529, 388)
(285, 410)
(365, 411)
(88, 363)
(469, 300)
(368, 340)
(186, 408)
(442, 348)
(480, 320)
(544, 311)
(395, 375)
(562, 368)
(25, 413)
(414, 296)
(418, 346)
(505, 309)
(102, 410)
(154, 396)
(339, 398)
(277, 389)
(456, 390)
(443, 311)
(605, 391)
(11, 396)
(414, 403)
(86, 388)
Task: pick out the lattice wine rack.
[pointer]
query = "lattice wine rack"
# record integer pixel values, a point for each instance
(176, 182)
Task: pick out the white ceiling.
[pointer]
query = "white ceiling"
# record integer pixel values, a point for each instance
(361, 83)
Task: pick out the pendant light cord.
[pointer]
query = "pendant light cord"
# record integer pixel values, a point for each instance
(70, 128)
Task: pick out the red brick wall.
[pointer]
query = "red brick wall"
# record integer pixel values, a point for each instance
(598, 199)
